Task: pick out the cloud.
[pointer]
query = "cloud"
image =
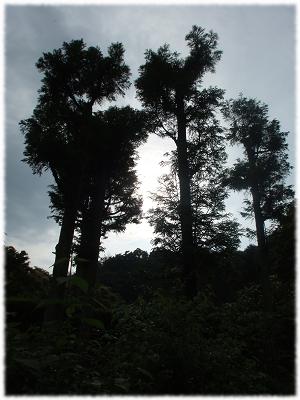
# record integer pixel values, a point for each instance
(148, 165)
(258, 44)
(39, 245)
(135, 236)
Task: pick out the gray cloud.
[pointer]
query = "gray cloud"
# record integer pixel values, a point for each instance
(258, 59)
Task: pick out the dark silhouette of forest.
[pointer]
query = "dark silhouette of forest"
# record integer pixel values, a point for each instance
(196, 315)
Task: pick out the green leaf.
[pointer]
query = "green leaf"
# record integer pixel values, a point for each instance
(80, 283)
(62, 280)
(48, 302)
(94, 322)
(70, 310)
(101, 304)
(74, 281)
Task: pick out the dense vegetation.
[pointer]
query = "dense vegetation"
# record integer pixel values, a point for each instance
(194, 316)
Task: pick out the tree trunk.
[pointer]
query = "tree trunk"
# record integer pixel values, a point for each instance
(91, 233)
(185, 203)
(63, 248)
(262, 249)
(61, 264)
(260, 231)
(269, 349)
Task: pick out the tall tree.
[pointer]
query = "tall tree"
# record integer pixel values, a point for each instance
(212, 227)
(169, 88)
(111, 176)
(262, 171)
(122, 205)
(58, 135)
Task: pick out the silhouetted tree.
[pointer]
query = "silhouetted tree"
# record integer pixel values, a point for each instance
(111, 192)
(212, 227)
(122, 205)
(262, 171)
(169, 88)
(58, 135)
(24, 288)
(281, 243)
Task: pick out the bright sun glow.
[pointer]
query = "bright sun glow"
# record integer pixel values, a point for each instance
(149, 170)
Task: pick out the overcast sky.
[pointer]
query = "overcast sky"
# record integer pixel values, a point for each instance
(258, 44)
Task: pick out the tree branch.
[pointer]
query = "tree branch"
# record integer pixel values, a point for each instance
(56, 178)
(169, 134)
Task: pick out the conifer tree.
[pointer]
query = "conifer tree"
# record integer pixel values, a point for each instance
(58, 136)
(169, 88)
(261, 172)
(213, 228)
(111, 188)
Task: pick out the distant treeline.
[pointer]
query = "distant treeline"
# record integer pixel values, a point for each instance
(196, 315)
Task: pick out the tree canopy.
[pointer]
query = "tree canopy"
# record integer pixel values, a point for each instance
(265, 164)
(169, 89)
(196, 315)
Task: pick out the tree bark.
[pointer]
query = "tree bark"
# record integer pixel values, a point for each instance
(72, 195)
(61, 264)
(262, 250)
(262, 256)
(260, 232)
(91, 233)
(187, 245)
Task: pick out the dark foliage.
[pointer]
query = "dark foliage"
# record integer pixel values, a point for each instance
(62, 132)
(137, 273)
(169, 88)
(265, 166)
(149, 339)
(262, 172)
(134, 323)
(24, 289)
